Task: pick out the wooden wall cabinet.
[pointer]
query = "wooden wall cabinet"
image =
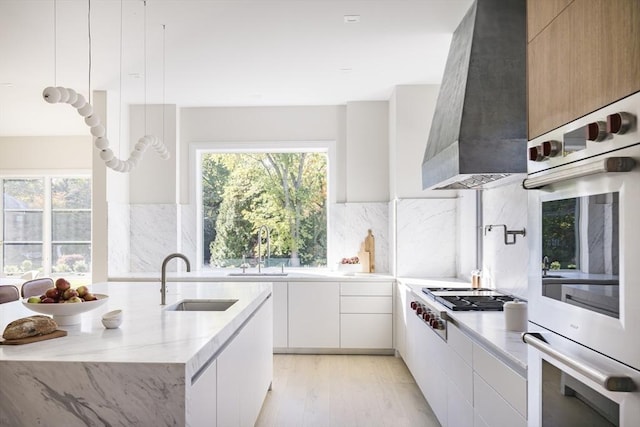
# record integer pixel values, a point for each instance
(581, 56)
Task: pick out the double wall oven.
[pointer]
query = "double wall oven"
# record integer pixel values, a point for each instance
(584, 271)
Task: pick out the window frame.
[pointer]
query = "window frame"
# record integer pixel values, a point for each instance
(47, 212)
(197, 149)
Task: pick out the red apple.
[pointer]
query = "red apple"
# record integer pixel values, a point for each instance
(62, 284)
(48, 301)
(90, 297)
(52, 293)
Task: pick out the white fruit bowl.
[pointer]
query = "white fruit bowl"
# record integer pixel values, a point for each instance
(65, 314)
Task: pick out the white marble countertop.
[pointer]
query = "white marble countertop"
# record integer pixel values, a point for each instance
(487, 328)
(297, 275)
(148, 334)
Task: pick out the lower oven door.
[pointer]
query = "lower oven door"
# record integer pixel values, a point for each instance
(571, 385)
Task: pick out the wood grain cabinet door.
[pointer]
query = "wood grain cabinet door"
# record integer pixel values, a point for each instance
(583, 59)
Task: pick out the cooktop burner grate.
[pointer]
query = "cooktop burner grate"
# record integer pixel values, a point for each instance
(469, 299)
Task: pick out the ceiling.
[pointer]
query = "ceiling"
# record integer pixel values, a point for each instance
(214, 53)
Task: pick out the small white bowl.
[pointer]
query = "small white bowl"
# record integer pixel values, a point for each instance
(112, 319)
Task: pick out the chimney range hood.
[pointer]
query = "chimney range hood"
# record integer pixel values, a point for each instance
(479, 129)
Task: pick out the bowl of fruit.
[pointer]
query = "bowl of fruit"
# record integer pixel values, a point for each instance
(65, 303)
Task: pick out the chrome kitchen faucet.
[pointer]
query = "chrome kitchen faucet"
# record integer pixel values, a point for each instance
(163, 280)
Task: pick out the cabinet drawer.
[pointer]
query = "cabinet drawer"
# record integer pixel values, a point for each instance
(460, 343)
(461, 375)
(366, 331)
(492, 408)
(366, 288)
(508, 383)
(366, 304)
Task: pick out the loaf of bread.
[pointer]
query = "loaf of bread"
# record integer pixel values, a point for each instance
(29, 327)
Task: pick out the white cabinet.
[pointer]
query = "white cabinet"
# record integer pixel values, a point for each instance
(500, 388)
(400, 320)
(491, 407)
(464, 384)
(426, 354)
(245, 371)
(366, 315)
(280, 315)
(314, 314)
(202, 398)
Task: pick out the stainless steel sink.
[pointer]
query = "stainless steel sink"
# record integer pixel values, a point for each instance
(202, 305)
(257, 274)
(552, 276)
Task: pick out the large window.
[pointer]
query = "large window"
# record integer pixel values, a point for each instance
(46, 225)
(286, 192)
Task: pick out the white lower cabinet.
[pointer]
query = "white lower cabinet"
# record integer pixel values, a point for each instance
(244, 371)
(202, 399)
(366, 331)
(314, 314)
(464, 384)
(280, 315)
(491, 407)
(366, 315)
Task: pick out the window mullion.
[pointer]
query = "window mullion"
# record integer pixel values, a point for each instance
(47, 230)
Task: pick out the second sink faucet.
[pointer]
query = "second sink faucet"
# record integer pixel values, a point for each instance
(546, 265)
(163, 279)
(268, 254)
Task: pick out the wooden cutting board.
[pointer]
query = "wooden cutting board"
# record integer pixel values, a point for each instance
(55, 334)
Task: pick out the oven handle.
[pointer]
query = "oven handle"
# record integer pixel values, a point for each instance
(608, 381)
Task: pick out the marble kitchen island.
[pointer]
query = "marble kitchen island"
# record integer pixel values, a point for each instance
(159, 368)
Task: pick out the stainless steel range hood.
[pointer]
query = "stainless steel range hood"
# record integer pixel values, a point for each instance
(479, 129)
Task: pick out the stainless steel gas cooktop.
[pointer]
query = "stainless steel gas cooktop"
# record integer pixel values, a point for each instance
(469, 299)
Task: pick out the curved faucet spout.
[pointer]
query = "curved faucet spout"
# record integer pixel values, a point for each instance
(268, 254)
(163, 279)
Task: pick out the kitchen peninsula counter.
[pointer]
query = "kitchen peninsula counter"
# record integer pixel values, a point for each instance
(132, 375)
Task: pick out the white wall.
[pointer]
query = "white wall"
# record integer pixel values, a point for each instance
(154, 180)
(505, 266)
(367, 151)
(255, 124)
(46, 152)
(410, 114)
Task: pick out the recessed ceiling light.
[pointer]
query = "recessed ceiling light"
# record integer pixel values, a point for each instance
(135, 75)
(351, 19)
(346, 70)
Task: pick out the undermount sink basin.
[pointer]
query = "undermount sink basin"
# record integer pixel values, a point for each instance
(552, 276)
(202, 305)
(257, 274)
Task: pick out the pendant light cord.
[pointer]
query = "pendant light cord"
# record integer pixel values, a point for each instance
(120, 84)
(55, 42)
(145, 65)
(164, 106)
(89, 31)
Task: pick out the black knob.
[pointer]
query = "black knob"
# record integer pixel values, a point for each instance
(551, 148)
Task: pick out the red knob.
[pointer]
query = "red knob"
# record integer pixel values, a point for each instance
(596, 131)
(619, 123)
(419, 311)
(414, 305)
(551, 148)
(535, 153)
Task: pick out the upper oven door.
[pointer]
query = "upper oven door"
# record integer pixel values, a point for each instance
(584, 266)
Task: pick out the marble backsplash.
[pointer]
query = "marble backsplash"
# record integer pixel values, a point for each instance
(505, 266)
(153, 234)
(348, 226)
(425, 238)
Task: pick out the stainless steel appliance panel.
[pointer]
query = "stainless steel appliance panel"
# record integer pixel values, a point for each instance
(597, 307)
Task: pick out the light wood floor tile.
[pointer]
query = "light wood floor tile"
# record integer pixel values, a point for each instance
(343, 391)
